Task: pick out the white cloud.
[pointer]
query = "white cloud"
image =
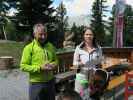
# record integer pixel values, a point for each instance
(83, 7)
(111, 2)
(12, 11)
(78, 7)
(130, 2)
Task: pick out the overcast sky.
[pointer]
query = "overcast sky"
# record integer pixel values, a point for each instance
(82, 7)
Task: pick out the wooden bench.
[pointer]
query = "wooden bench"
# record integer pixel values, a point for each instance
(116, 80)
(64, 76)
(64, 80)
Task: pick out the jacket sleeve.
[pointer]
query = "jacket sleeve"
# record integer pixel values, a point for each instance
(25, 64)
(76, 57)
(55, 58)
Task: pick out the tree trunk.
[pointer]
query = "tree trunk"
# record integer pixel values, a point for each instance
(4, 33)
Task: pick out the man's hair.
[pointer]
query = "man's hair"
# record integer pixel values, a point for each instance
(30, 37)
(70, 95)
(39, 25)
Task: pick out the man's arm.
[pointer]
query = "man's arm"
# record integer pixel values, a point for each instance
(55, 61)
(25, 64)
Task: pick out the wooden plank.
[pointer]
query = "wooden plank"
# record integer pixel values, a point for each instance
(64, 76)
(117, 81)
(6, 62)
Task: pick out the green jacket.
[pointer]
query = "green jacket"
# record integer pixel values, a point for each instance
(34, 56)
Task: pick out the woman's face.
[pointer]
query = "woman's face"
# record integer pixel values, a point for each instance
(88, 36)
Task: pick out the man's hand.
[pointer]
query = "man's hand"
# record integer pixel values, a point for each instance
(47, 67)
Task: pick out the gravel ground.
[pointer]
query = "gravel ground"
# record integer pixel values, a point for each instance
(13, 85)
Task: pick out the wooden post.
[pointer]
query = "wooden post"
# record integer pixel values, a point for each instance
(126, 86)
(131, 57)
(6, 62)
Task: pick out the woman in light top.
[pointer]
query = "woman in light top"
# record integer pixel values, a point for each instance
(88, 54)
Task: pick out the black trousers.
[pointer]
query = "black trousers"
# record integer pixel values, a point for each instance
(42, 91)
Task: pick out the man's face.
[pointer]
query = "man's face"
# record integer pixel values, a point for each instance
(41, 35)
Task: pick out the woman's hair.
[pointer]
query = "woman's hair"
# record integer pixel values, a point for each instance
(94, 42)
(69, 95)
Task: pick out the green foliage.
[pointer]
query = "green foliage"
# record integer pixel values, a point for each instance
(78, 33)
(61, 17)
(97, 23)
(3, 11)
(10, 31)
(5, 6)
(61, 23)
(128, 26)
(31, 12)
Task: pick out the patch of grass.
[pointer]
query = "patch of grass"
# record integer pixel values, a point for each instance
(12, 49)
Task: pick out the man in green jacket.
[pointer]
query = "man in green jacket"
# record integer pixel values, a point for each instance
(39, 60)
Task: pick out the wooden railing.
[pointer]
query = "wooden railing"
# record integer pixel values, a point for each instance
(115, 55)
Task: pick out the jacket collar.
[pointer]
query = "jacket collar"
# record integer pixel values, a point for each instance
(36, 42)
